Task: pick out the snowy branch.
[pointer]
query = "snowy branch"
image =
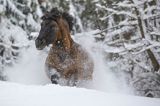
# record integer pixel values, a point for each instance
(13, 8)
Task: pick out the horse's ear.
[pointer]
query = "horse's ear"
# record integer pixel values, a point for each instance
(55, 13)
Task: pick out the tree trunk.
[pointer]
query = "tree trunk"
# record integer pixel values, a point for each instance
(152, 57)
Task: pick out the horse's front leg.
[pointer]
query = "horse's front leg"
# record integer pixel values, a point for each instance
(52, 74)
(55, 78)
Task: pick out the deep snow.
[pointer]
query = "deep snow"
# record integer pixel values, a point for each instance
(12, 94)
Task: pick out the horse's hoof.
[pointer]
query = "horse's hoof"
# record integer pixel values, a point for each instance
(54, 82)
(54, 79)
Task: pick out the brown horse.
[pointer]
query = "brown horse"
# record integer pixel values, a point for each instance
(67, 63)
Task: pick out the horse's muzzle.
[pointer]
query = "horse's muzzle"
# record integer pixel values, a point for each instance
(40, 44)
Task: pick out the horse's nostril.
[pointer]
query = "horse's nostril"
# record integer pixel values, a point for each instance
(40, 42)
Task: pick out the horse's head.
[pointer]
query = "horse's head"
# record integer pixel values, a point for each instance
(51, 27)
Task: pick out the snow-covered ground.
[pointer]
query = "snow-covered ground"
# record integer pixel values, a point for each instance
(12, 94)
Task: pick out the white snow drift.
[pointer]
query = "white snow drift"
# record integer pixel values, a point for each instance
(53, 95)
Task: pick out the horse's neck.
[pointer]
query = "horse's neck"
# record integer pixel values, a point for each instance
(64, 40)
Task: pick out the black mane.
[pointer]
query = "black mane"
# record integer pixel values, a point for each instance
(69, 19)
(55, 14)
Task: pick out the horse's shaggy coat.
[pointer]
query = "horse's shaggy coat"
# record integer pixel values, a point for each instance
(71, 62)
